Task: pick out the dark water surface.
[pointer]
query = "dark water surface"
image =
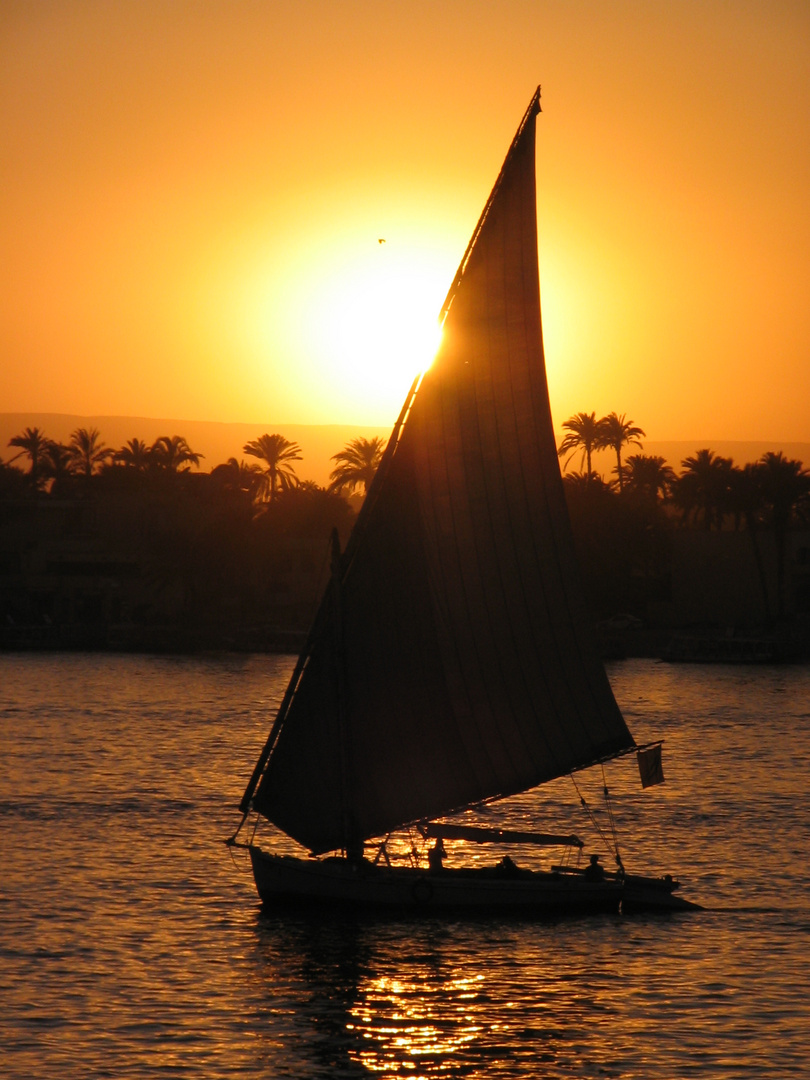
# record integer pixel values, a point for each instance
(131, 945)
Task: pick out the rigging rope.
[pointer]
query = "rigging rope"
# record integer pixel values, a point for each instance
(590, 813)
(255, 827)
(612, 821)
(605, 839)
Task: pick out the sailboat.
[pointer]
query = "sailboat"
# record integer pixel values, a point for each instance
(451, 662)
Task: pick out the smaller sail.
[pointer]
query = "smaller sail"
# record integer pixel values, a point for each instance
(650, 768)
(475, 834)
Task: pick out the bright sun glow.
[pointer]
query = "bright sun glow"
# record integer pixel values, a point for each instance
(374, 325)
(379, 329)
(355, 320)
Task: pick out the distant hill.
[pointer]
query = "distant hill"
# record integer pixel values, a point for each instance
(318, 442)
(217, 442)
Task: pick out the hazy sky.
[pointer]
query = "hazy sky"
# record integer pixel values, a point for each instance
(193, 192)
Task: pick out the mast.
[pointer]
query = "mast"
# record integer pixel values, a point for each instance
(340, 684)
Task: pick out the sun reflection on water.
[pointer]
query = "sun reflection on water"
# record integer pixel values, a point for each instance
(399, 1018)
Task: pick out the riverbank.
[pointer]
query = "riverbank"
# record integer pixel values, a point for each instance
(789, 643)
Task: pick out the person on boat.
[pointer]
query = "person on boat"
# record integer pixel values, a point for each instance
(354, 851)
(436, 856)
(507, 867)
(594, 872)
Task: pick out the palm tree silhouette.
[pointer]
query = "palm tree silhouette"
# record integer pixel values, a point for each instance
(587, 482)
(13, 481)
(703, 488)
(57, 463)
(357, 463)
(169, 452)
(239, 476)
(785, 489)
(135, 454)
(583, 434)
(745, 500)
(616, 432)
(87, 451)
(31, 442)
(277, 453)
(649, 476)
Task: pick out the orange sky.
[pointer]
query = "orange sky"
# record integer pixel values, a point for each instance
(193, 193)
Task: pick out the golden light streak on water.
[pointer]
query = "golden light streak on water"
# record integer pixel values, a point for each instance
(399, 1018)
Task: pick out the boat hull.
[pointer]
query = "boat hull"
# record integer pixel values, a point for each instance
(336, 882)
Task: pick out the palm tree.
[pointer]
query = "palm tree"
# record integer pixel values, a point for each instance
(12, 480)
(357, 463)
(703, 488)
(56, 462)
(587, 482)
(649, 476)
(616, 432)
(32, 442)
(583, 434)
(745, 500)
(785, 485)
(86, 451)
(785, 489)
(169, 452)
(238, 476)
(134, 455)
(276, 452)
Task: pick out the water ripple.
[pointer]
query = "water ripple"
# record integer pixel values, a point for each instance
(132, 944)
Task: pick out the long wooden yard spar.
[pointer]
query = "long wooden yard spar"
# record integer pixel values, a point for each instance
(466, 663)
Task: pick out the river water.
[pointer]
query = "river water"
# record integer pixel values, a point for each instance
(132, 943)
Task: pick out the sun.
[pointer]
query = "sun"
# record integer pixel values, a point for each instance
(337, 331)
(374, 325)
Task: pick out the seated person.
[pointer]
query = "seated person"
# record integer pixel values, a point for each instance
(594, 872)
(436, 855)
(507, 867)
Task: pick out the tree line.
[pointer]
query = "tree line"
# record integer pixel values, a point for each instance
(710, 492)
(139, 541)
(56, 467)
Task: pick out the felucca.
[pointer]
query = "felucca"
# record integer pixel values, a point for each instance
(451, 661)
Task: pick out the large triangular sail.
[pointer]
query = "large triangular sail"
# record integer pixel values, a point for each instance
(452, 661)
